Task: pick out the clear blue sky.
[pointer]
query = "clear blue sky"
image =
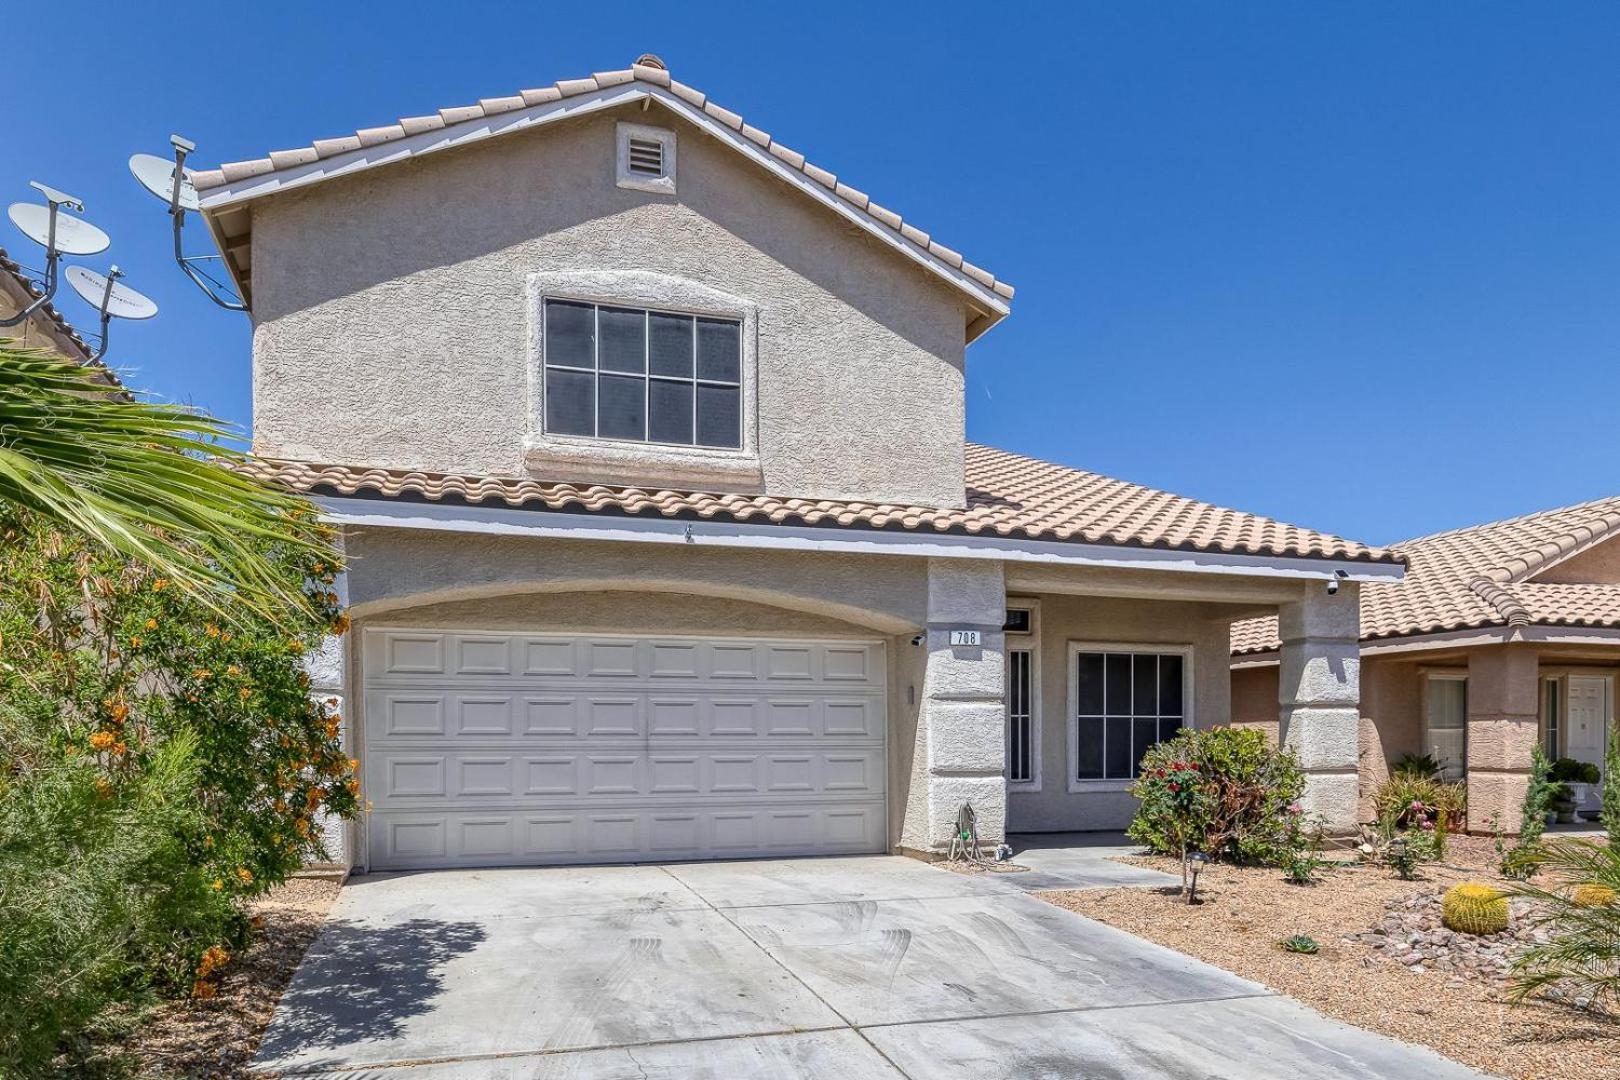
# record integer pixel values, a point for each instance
(1355, 266)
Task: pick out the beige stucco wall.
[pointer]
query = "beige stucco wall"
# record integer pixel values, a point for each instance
(1118, 620)
(1599, 564)
(1254, 700)
(392, 325)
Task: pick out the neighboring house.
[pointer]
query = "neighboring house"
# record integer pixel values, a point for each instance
(45, 328)
(1502, 636)
(646, 437)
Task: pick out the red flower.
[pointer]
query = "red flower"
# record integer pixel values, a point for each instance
(1174, 786)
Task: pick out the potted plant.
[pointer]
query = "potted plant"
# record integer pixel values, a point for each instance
(1579, 777)
(1563, 803)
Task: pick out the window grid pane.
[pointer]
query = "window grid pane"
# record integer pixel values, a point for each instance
(685, 369)
(1020, 753)
(1126, 704)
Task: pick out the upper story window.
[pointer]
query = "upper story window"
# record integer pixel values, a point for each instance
(637, 375)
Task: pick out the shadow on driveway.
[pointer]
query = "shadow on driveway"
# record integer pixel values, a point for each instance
(362, 982)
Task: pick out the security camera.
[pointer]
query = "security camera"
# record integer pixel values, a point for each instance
(1333, 582)
(916, 639)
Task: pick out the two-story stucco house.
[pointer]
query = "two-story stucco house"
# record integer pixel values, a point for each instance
(646, 438)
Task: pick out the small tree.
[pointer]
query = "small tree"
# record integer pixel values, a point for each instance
(1177, 796)
(1520, 861)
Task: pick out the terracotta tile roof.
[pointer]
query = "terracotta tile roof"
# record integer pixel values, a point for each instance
(1008, 495)
(320, 149)
(14, 270)
(1480, 576)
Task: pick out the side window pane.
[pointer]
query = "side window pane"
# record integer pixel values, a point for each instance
(1118, 752)
(1089, 684)
(1118, 669)
(624, 341)
(1170, 686)
(719, 350)
(1144, 733)
(570, 402)
(1145, 685)
(570, 334)
(669, 418)
(718, 420)
(1088, 754)
(669, 345)
(622, 409)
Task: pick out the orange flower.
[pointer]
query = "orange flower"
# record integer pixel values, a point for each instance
(208, 841)
(103, 786)
(332, 701)
(101, 740)
(233, 670)
(202, 990)
(211, 630)
(151, 624)
(212, 960)
(245, 693)
(160, 584)
(302, 826)
(218, 884)
(226, 636)
(354, 764)
(203, 673)
(119, 712)
(245, 875)
(353, 785)
(134, 641)
(120, 749)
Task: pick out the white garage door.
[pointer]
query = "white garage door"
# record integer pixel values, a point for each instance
(492, 749)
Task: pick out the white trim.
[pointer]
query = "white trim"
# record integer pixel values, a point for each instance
(233, 193)
(1071, 715)
(662, 184)
(507, 521)
(1460, 639)
(1425, 732)
(1031, 643)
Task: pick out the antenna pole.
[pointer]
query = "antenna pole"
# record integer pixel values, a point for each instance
(106, 316)
(182, 147)
(51, 258)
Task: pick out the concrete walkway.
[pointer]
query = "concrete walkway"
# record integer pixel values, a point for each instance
(852, 967)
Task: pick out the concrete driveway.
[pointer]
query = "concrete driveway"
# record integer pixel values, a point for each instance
(849, 967)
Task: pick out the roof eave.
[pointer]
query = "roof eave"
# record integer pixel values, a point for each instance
(233, 194)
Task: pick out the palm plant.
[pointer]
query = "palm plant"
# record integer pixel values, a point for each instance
(1582, 958)
(150, 481)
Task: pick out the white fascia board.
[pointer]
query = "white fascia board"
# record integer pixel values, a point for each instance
(1464, 639)
(234, 193)
(507, 521)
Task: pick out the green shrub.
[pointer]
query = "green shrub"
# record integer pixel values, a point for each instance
(1421, 767)
(1570, 771)
(1301, 943)
(1521, 859)
(158, 767)
(1246, 789)
(1610, 815)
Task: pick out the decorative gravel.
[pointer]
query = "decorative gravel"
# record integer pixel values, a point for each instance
(1452, 998)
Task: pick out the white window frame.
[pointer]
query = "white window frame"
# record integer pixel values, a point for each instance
(1031, 643)
(1071, 718)
(630, 461)
(1431, 675)
(625, 178)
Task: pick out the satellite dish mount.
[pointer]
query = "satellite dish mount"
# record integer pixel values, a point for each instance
(109, 298)
(171, 182)
(59, 233)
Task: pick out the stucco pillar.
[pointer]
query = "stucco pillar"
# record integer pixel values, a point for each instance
(1504, 707)
(327, 669)
(961, 751)
(1319, 699)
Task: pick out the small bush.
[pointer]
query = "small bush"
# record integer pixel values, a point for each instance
(1245, 789)
(1419, 767)
(1473, 908)
(1610, 815)
(1520, 861)
(1570, 771)
(1592, 896)
(1301, 943)
(1409, 800)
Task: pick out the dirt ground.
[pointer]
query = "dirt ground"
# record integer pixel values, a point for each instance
(217, 1037)
(1245, 913)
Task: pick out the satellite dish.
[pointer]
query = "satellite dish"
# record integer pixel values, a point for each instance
(157, 176)
(107, 296)
(74, 236)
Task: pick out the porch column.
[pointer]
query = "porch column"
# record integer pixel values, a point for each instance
(1319, 699)
(960, 710)
(1504, 716)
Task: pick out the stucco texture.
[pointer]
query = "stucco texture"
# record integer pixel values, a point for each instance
(397, 300)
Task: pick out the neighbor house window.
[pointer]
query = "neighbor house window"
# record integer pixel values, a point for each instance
(635, 375)
(1445, 724)
(1125, 701)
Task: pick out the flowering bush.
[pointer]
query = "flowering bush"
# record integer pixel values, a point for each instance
(1244, 789)
(159, 765)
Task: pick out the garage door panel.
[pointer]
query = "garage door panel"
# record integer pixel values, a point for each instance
(490, 748)
(462, 838)
(415, 779)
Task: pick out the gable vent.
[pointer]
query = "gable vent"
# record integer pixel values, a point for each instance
(646, 157)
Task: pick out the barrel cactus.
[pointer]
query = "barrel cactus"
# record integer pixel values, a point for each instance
(1593, 896)
(1472, 908)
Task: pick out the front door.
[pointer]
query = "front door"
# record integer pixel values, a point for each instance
(1588, 719)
